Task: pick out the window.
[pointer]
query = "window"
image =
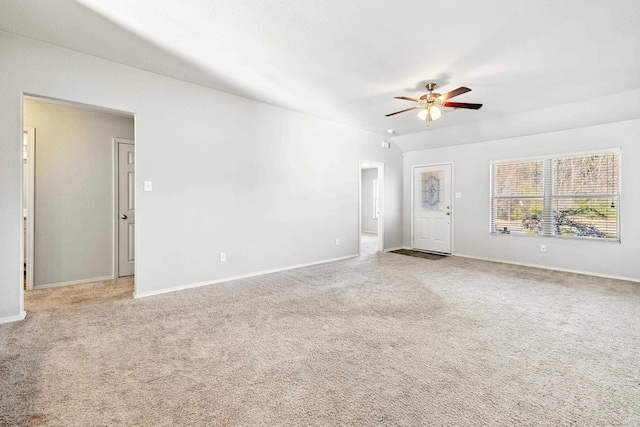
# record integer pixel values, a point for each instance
(569, 196)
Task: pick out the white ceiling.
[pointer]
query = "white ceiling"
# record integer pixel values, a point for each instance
(346, 60)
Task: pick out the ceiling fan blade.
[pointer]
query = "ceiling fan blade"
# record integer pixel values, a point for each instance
(455, 92)
(398, 112)
(462, 105)
(406, 98)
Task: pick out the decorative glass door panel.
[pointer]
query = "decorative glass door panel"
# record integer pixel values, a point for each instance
(432, 188)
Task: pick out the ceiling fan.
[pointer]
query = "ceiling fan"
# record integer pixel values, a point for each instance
(429, 103)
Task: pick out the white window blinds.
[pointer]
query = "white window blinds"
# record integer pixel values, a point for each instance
(576, 195)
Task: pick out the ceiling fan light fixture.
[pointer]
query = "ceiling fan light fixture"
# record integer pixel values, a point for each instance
(423, 114)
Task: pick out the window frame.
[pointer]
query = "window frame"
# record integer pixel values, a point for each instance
(548, 195)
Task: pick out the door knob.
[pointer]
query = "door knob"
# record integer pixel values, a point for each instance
(123, 216)
(448, 213)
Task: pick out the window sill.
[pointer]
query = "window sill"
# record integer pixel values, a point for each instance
(531, 235)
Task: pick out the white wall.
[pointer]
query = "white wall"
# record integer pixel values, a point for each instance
(471, 212)
(74, 198)
(369, 223)
(270, 187)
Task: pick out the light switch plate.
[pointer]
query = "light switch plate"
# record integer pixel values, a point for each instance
(148, 186)
(458, 195)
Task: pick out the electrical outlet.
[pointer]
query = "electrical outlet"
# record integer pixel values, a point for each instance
(543, 248)
(223, 256)
(337, 242)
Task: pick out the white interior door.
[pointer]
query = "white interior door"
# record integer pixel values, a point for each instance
(126, 209)
(432, 208)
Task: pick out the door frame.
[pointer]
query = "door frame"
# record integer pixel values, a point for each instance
(31, 198)
(381, 173)
(413, 201)
(116, 189)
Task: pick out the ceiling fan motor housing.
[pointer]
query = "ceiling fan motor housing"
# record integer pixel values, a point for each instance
(431, 99)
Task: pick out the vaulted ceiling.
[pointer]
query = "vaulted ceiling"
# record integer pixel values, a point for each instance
(537, 66)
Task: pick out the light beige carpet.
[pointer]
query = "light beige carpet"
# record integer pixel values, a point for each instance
(368, 244)
(385, 339)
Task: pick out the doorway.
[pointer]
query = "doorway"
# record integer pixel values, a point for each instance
(432, 213)
(371, 212)
(68, 191)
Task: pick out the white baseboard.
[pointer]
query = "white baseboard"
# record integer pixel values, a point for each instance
(397, 248)
(13, 318)
(73, 282)
(544, 267)
(243, 276)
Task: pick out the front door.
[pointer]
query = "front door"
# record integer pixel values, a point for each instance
(126, 209)
(432, 208)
